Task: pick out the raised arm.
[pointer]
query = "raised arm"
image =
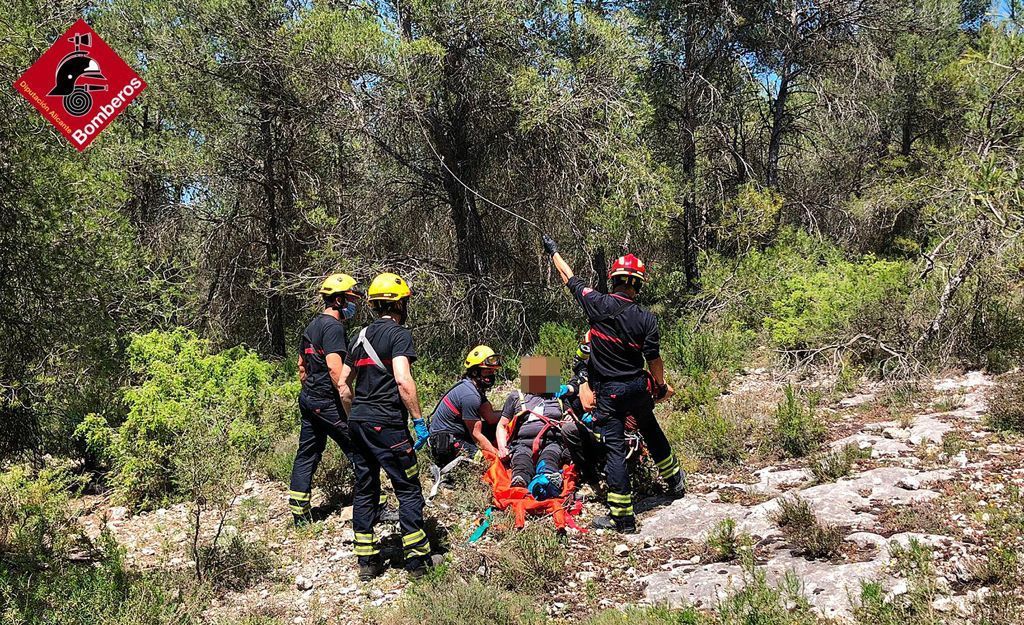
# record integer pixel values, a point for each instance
(564, 270)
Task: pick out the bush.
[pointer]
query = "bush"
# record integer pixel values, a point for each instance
(35, 520)
(235, 563)
(532, 559)
(833, 465)
(804, 531)
(1006, 403)
(714, 434)
(444, 598)
(180, 385)
(724, 544)
(101, 593)
(658, 615)
(797, 430)
(697, 353)
(558, 340)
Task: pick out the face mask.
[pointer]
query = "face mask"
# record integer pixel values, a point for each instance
(487, 381)
(349, 310)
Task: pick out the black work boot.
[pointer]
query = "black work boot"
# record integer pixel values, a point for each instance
(370, 568)
(623, 524)
(417, 567)
(677, 485)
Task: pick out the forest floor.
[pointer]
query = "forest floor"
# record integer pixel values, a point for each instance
(929, 470)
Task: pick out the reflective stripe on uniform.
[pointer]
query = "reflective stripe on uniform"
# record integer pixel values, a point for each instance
(412, 471)
(364, 539)
(299, 510)
(626, 499)
(383, 499)
(366, 550)
(297, 496)
(418, 550)
(413, 538)
(668, 467)
(616, 511)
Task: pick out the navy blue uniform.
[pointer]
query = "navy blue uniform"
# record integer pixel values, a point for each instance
(449, 434)
(320, 406)
(381, 439)
(622, 337)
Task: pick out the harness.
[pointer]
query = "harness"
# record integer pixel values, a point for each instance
(613, 316)
(371, 353)
(548, 423)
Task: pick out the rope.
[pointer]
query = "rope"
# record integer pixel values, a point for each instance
(426, 137)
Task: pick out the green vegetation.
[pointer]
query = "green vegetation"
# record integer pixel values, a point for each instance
(445, 598)
(844, 195)
(1006, 403)
(804, 531)
(724, 543)
(830, 466)
(797, 429)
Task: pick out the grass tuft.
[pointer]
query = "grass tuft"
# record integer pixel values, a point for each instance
(804, 531)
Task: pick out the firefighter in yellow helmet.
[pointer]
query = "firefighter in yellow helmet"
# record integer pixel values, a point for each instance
(463, 421)
(382, 401)
(322, 350)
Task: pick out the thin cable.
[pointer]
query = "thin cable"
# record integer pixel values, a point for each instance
(440, 158)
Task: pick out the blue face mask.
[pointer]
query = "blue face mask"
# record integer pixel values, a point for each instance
(349, 310)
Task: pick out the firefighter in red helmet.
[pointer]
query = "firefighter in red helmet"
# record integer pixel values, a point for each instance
(623, 337)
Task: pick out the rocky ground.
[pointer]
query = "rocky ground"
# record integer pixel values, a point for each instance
(934, 474)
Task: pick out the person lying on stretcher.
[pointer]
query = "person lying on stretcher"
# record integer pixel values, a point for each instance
(530, 430)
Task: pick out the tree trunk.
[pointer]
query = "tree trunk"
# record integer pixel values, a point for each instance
(907, 139)
(778, 110)
(275, 303)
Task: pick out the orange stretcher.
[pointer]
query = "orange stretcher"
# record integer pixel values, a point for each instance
(562, 509)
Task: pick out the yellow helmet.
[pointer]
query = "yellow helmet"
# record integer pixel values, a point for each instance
(387, 287)
(482, 356)
(338, 283)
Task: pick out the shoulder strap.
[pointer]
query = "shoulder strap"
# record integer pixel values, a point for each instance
(614, 313)
(371, 353)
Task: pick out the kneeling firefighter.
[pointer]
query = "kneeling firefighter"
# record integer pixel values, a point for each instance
(623, 336)
(322, 351)
(464, 417)
(383, 399)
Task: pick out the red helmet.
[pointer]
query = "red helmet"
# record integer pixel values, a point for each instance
(628, 266)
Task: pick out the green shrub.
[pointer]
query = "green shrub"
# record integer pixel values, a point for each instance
(656, 615)
(558, 340)
(714, 434)
(1006, 403)
(104, 592)
(797, 430)
(831, 466)
(235, 563)
(179, 385)
(763, 603)
(724, 543)
(818, 307)
(35, 519)
(445, 598)
(532, 558)
(696, 353)
(804, 531)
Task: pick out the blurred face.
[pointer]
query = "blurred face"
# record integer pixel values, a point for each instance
(540, 375)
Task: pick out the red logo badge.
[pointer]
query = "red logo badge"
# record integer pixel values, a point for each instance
(80, 85)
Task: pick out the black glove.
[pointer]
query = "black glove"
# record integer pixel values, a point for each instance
(549, 245)
(660, 390)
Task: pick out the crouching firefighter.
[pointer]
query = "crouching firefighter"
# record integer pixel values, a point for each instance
(463, 421)
(322, 350)
(383, 399)
(623, 335)
(530, 430)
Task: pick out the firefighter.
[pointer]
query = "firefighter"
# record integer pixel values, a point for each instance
(383, 399)
(623, 336)
(464, 416)
(322, 351)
